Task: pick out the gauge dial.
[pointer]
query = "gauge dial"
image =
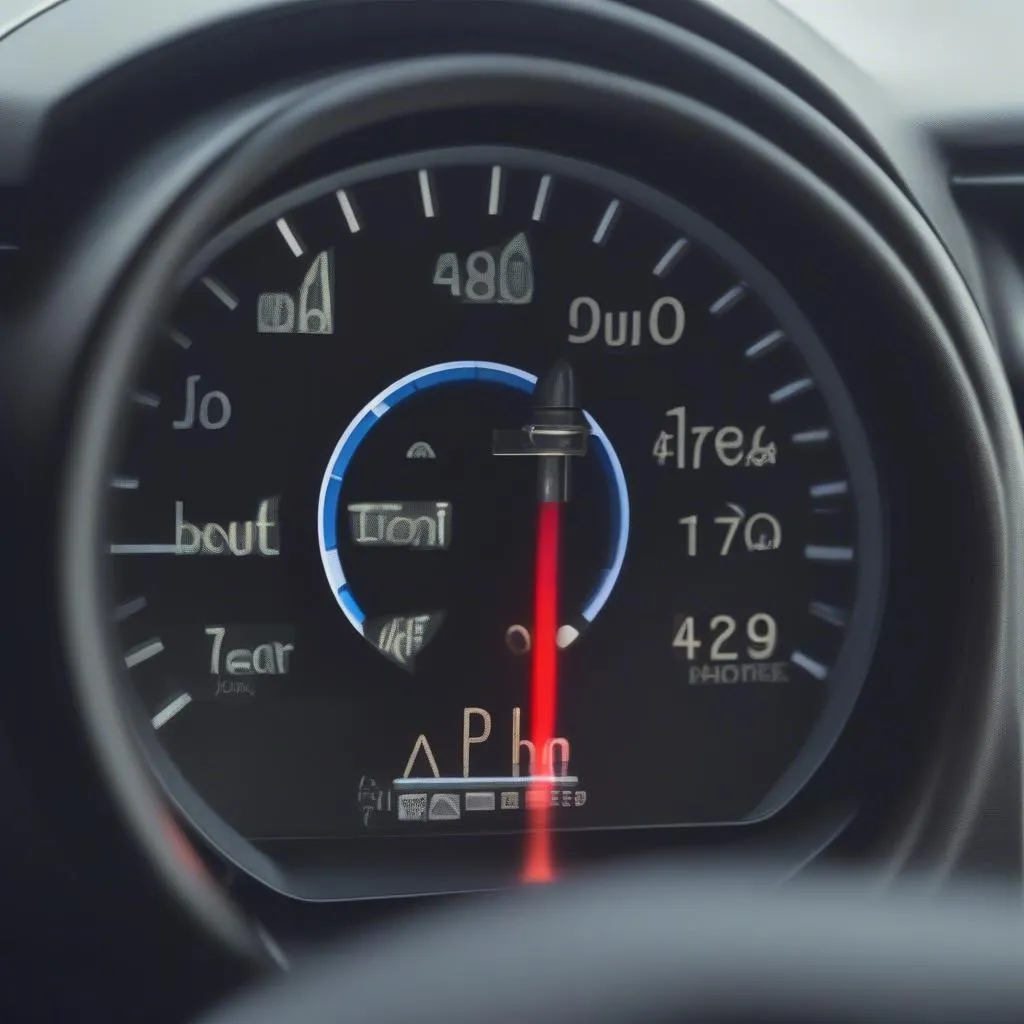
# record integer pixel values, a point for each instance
(324, 529)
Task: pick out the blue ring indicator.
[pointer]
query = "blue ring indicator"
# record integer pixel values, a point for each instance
(433, 376)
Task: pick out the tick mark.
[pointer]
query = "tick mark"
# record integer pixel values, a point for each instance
(540, 204)
(827, 553)
(766, 344)
(427, 194)
(812, 436)
(143, 652)
(809, 665)
(611, 215)
(221, 292)
(828, 613)
(671, 257)
(791, 390)
(129, 608)
(144, 549)
(161, 718)
(830, 490)
(348, 210)
(495, 195)
(289, 236)
(727, 301)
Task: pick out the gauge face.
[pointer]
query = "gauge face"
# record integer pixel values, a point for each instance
(413, 425)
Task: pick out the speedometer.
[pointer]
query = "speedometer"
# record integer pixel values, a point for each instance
(478, 478)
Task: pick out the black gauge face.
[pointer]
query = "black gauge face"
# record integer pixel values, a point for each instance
(327, 532)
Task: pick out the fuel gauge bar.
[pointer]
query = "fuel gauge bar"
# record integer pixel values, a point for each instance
(430, 784)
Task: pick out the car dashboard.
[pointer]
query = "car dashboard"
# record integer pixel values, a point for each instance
(452, 445)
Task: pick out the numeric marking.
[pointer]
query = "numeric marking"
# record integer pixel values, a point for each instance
(729, 445)
(761, 638)
(210, 409)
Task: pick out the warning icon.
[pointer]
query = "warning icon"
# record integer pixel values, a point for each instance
(444, 807)
(412, 806)
(420, 450)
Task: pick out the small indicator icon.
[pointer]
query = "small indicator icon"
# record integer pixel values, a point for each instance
(517, 639)
(412, 806)
(420, 450)
(401, 638)
(510, 801)
(276, 313)
(372, 799)
(536, 798)
(444, 807)
(762, 455)
(479, 802)
(579, 798)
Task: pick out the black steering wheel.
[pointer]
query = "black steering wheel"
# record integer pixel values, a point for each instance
(656, 945)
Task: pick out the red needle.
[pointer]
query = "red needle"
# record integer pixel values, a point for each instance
(539, 864)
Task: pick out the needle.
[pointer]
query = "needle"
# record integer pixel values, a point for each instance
(539, 863)
(558, 419)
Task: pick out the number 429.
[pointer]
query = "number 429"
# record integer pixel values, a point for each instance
(762, 637)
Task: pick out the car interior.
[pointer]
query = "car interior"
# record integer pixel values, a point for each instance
(514, 510)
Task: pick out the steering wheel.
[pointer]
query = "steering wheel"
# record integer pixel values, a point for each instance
(653, 945)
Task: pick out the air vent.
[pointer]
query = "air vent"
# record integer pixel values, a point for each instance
(12, 209)
(992, 200)
(993, 203)
(996, 196)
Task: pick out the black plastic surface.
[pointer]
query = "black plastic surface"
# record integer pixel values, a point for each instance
(58, 56)
(650, 944)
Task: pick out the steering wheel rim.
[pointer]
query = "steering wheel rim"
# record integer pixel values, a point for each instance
(663, 944)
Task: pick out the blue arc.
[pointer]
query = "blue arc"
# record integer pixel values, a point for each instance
(430, 377)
